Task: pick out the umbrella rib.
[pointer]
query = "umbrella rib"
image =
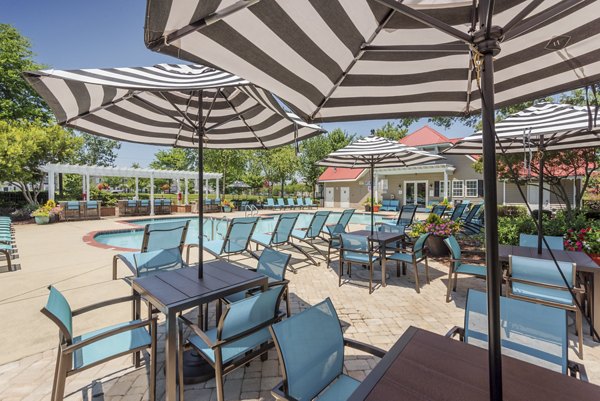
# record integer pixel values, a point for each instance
(158, 109)
(187, 107)
(521, 15)
(103, 107)
(210, 108)
(241, 116)
(178, 110)
(230, 119)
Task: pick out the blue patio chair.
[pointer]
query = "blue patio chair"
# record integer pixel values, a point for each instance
(281, 233)
(157, 206)
(539, 281)
(438, 210)
(9, 251)
(469, 223)
(166, 206)
(131, 207)
(235, 241)
(415, 256)
(163, 242)
(395, 205)
(359, 250)
(72, 210)
(270, 204)
(241, 335)
(310, 346)
(530, 332)
(406, 216)
(531, 241)
(385, 205)
(309, 203)
(458, 211)
(300, 203)
(290, 203)
(280, 203)
(91, 209)
(461, 265)
(272, 264)
(144, 207)
(309, 234)
(334, 230)
(77, 353)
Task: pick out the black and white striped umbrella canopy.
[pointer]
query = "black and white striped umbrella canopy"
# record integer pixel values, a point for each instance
(341, 60)
(546, 125)
(159, 105)
(374, 151)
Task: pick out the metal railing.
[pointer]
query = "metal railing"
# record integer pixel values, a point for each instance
(250, 209)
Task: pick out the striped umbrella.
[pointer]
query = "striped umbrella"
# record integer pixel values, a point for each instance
(336, 60)
(541, 127)
(171, 105)
(371, 152)
(158, 105)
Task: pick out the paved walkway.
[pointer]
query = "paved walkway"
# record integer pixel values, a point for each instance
(55, 254)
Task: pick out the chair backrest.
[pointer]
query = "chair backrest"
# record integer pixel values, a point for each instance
(144, 202)
(91, 205)
(73, 205)
(299, 202)
(311, 349)
(250, 314)
(316, 224)
(420, 245)
(290, 202)
(351, 242)
(531, 241)
(385, 202)
(131, 203)
(273, 264)
(345, 218)
(238, 234)
(280, 202)
(308, 201)
(167, 235)
(454, 248)
(395, 204)
(59, 311)
(157, 202)
(217, 201)
(539, 271)
(148, 263)
(166, 202)
(531, 332)
(270, 202)
(438, 210)
(458, 211)
(283, 228)
(407, 214)
(472, 212)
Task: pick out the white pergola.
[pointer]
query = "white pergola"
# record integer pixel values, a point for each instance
(97, 171)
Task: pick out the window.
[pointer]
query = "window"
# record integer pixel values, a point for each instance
(457, 189)
(472, 188)
(442, 192)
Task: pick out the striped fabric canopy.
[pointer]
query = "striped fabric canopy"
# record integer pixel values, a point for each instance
(563, 127)
(373, 151)
(341, 60)
(159, 105)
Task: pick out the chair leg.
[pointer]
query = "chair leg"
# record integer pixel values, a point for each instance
(153, 363)
(302, 251)
(56, 370)
(455, 282)
(114, 267)
(397, 269)
(288, 309)
(370, 277)
(63, 367)
(449, 285)
(180, 362)
(427, 270)
(349, 267)
(7, 253)
(341, 271)
(579, 324)
(416, 268)
(219, 376)
(328, 254)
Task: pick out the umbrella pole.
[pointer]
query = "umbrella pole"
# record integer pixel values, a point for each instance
(372, 195)
(540, 199)
(201, 194)
(489, 47)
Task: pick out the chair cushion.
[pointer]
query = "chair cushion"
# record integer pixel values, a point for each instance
(214, 246)
(474, 270)
(340, 390)
(263, 239)
(110, 346)
(350, 256)
(233, 349)
(543, 294)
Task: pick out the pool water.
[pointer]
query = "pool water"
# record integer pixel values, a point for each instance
(215, 227)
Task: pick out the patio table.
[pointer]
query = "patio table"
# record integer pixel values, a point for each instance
(583, 264)
(382, 239)
(426, 366)
(175, 291)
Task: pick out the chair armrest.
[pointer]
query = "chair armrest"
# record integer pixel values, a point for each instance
(462, 260)
(102, 304)
(378, 352)
(456, 330)
(197, 331)
(575, 368)
(132, 326)
(253, 291)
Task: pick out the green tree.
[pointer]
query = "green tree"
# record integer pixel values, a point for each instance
(394, 131)
(279, 164)
(175, 159)
(97, 151)
(229, 162)
(24, 147)
(18, 100)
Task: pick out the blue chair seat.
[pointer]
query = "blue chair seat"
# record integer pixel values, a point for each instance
(262, 239)
(350, 256)
(300, 234)
(541, 293)
(214, 246)
(401, 257)
(110, 346)
(341, 389)
(234, 349)
(471, 269)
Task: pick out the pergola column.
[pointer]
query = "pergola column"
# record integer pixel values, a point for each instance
(218, 191)
(178, 190)
(151, 194)
(87, 187)
(51, 185)
(185, 189)
(137, 188)
(445, 184)
(83, 191)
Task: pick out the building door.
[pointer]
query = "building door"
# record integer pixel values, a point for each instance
(415, 193)
(344, 196)
(328, 196)
(533, 195)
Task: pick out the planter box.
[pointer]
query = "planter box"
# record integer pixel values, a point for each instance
(595, 257)
(376, 208)
(42, 220)
(183, 208)
(108, 211)
(437, 247)
(367, 208)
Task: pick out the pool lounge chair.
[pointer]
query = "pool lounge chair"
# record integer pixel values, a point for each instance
(334, 231)
(438, 210)
(458, 211)
(300, 203)
(281, 203)
(405, 217)
(235, 241)
(309, 234)
(163, 243)
(308, 202)
(280, 235)
(531, 332)
(270, 204)
(290, 203)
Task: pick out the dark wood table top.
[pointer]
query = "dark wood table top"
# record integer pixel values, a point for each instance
(581, 259)
(423, 366)
(177, 290)
(379, 236)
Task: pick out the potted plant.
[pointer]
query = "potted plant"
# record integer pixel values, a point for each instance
(367, 204)
(439, 229)
(585, 240)
(43, 214)
(376, 206)
(227, 205)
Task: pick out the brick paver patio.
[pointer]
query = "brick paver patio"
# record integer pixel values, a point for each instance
(56, 254)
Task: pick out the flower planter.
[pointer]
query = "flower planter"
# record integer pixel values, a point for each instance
(226, 209)
(367, 208)
(42, 219)
(376, 208)
(108, 211)
(595, 257)
(437, 247)
(184, 208)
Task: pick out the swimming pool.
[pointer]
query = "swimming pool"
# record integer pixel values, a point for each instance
(213, 227)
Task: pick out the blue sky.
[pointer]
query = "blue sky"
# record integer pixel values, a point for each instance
(109, 33)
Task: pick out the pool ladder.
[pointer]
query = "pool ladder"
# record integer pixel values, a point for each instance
(250, 209)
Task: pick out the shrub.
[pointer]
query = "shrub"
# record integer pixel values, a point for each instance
(512, 211)
(509, 229)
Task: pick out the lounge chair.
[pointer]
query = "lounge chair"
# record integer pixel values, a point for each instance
(531, 241)
(272, 264)
(300, 203)
(270, 204)
(290, 203)
(163, 242)
(235, 241)
(308, 202)
(468, 223)
(530, 332)
(72, 210)
(281, 203)
(310, 346)
(91, 209)
(359, 250)
(280, 235)
(309, 234)
(539, 281)
(334, 230)
(458, 211)
(406, 216)
(461, 265)
(77, 353)
(414, 257)
(438, 210)
(241, 335)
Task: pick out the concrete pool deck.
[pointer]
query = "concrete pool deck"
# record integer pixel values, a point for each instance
(56, 254)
